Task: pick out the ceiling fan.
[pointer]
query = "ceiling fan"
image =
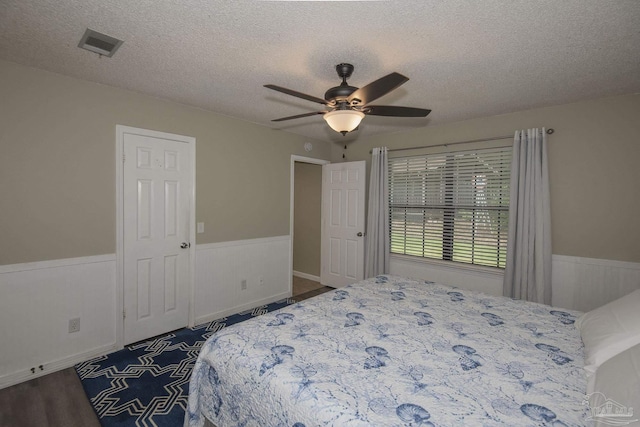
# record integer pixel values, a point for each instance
(347, 105)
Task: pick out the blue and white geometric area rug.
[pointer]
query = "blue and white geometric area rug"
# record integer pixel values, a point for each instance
(147, 384)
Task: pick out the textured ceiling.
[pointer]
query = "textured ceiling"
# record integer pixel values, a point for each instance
(465, 59)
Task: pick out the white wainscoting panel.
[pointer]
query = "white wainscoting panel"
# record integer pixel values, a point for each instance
(587, 283)
(577, 283)
(221, 267)
(487, 280)
(38, 299)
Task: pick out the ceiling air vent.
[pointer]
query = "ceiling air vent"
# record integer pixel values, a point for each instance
(99, 43)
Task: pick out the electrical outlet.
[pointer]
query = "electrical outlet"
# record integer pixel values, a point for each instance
(243, 284)
(74, 325)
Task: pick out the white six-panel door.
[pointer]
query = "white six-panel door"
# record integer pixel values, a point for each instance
(156, 190)
(342, 246)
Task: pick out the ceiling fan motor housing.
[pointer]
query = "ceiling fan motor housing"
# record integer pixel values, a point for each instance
(342, 91)
(344, 71)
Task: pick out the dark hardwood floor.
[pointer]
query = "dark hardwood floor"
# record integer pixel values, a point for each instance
(305, 288)
(58, 399)
(54, 400)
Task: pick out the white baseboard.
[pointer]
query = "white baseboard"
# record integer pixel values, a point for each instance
(54, 366)
(227, 312)
(306, 276)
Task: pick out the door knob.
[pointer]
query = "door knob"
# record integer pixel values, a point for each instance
(185, 245)
(360, 234)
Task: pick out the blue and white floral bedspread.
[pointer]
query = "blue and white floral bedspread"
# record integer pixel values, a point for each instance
(394, 352)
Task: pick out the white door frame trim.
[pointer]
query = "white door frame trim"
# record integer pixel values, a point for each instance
(191, 143)
(294, 159)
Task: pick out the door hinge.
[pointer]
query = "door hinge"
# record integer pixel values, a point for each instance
(124, 314)
(124, 157)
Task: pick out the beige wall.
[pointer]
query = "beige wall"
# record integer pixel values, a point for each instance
(306, 225)
(57, 166)
(594, 167)
(57, 173)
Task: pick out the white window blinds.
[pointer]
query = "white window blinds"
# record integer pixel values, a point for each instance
(451, 206)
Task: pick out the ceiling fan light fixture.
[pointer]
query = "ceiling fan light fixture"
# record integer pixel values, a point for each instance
(349, 104)
(343, 121)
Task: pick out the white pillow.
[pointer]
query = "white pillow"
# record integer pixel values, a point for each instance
(610, 330)
(616, 380)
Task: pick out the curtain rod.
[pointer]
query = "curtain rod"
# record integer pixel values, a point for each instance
(549, 132)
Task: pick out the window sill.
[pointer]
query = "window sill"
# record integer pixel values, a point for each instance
(450, 265)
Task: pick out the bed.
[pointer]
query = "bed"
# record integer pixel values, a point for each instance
(390, 351)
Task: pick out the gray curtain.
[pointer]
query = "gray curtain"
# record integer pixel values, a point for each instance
(528, 268)
(377, 243)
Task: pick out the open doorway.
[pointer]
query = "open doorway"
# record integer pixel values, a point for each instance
(305, 224)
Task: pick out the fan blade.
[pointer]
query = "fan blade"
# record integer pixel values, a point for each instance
(297, 94)
(380, 87)
(298, 116)
(393, 111)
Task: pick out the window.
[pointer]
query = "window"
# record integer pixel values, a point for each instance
(451, 206)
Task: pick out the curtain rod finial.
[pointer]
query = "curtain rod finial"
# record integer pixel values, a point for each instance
(550, 131)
